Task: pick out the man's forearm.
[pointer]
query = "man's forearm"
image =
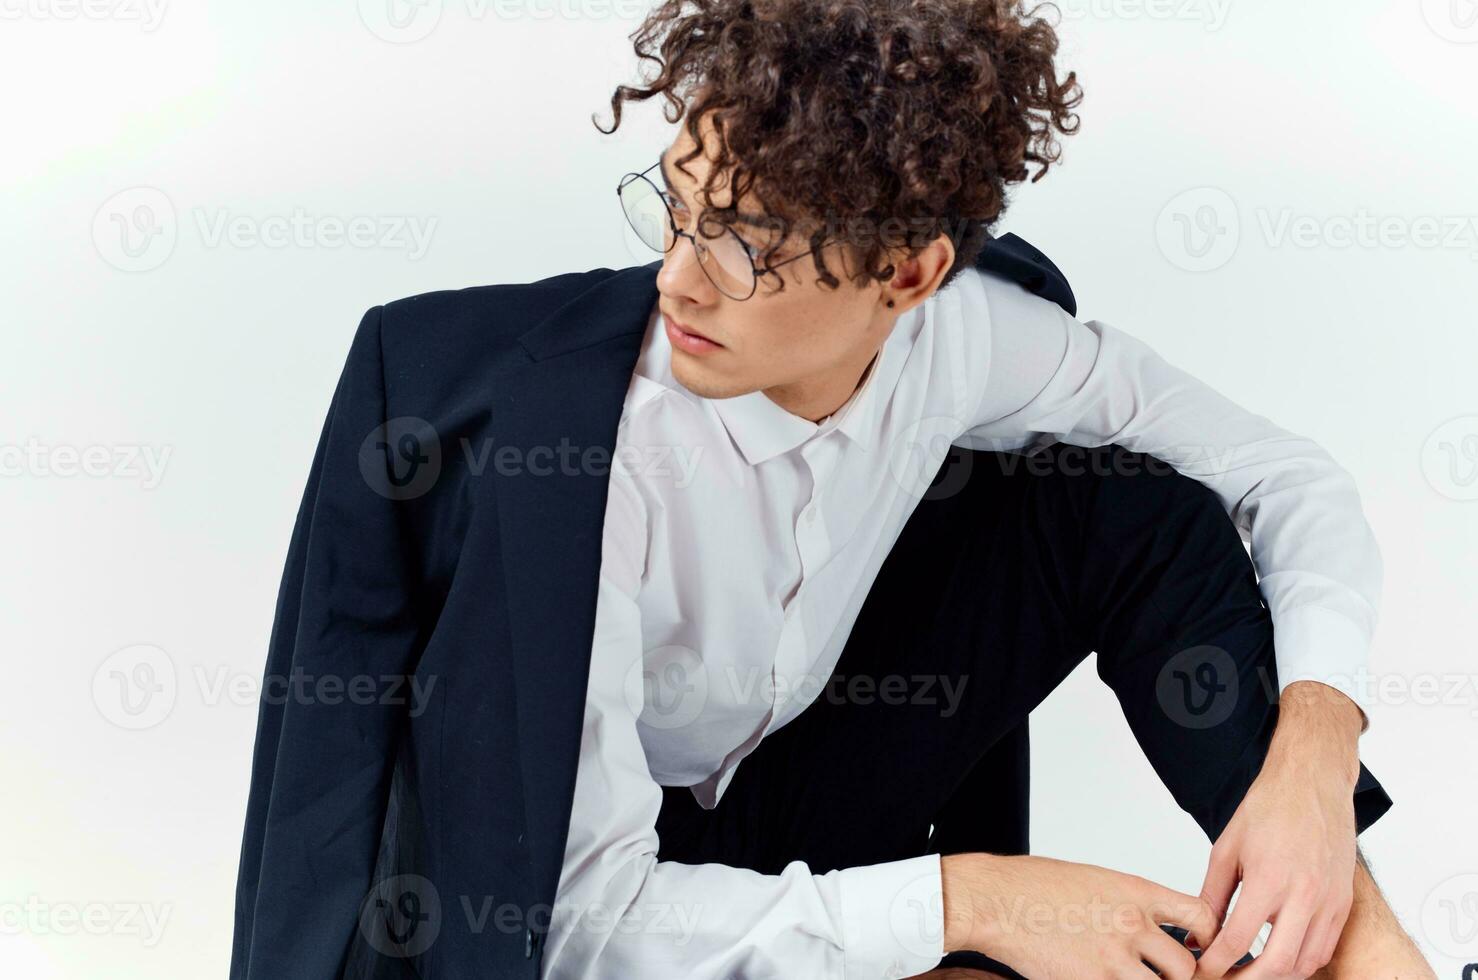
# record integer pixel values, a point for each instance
(1318, 732)
(1316, 739)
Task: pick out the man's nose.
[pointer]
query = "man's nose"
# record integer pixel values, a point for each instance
(681, 272)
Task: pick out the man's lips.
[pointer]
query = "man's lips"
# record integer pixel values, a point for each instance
(687, 338)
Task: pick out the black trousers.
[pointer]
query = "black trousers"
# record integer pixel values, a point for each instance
(1010, 571)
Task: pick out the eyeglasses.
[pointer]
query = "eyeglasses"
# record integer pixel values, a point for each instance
(725, 258)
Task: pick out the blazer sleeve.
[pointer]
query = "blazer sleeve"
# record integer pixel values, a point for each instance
(344, 638)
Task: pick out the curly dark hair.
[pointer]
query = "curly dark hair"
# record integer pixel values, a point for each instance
(869, 116)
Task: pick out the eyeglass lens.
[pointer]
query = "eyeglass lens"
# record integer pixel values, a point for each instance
(726, 262)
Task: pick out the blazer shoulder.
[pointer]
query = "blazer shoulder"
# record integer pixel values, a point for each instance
(444, 339)
(1011, 300)
(1014, 259)
(491, 313)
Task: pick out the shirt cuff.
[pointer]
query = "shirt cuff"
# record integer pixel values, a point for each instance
(892, 918)
(1313, 643)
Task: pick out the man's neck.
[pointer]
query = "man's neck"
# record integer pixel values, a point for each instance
(816, 401)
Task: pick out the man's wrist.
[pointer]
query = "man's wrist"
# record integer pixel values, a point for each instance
(964, 878)
(1317, 721)
(959, 914)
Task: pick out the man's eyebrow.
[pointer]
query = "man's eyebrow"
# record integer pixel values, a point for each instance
(753, 220)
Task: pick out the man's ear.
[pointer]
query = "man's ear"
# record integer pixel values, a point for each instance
(917, 278)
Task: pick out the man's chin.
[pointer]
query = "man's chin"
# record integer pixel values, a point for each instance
(706, 384)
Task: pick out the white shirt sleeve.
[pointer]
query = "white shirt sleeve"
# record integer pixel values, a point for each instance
(1051, 377)
(621, 913)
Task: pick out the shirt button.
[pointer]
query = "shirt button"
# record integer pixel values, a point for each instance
(528, 944)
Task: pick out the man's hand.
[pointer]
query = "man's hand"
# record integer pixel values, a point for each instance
(1291, 843)
(1048, 918)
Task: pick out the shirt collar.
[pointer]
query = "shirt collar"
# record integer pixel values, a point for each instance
(763, 430)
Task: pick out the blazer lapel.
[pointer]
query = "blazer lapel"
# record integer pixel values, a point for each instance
(561, 411)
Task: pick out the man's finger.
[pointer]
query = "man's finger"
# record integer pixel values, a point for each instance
(1236, 936)
(1222, 874)
(1172, 960)
(1190, 912)
(1319, 943)
(1279, 958)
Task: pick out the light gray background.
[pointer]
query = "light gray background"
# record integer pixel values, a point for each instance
(1227, 152)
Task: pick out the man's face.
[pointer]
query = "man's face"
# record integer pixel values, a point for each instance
(803, 344)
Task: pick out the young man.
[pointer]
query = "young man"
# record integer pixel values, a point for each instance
(691, 705)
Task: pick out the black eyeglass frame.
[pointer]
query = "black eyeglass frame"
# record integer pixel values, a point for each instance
(679, 233)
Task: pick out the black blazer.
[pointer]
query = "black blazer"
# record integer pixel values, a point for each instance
(420, 721)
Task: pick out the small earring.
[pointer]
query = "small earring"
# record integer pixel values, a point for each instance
(890, 302)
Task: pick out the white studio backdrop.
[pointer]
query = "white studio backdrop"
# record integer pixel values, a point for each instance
(200, 199)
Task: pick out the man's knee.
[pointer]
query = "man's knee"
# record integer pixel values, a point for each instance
(1153, 553)
(1112, 469)
(1134, 496)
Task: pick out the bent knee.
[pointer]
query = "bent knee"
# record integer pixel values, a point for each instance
(1135, 490)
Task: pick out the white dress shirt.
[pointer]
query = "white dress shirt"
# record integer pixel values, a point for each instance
(740, 542)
